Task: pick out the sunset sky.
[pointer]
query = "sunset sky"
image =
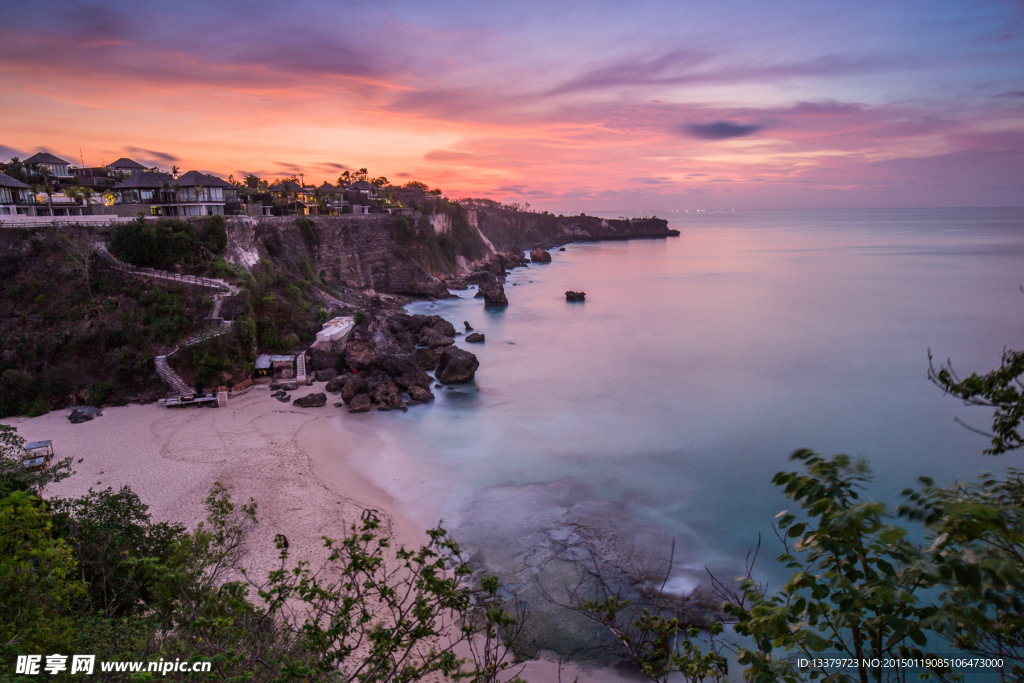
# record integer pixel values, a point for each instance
(566, 105)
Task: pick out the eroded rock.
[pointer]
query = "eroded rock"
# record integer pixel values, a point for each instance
(456, 365)
(83, 414)
(360, 404)
(311, 401)
(325, 375)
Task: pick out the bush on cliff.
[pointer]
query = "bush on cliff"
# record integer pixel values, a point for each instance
(64, 343)
(168, 241)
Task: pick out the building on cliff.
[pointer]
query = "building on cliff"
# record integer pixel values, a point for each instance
(105, 177)
(54, 166)
(161, 194)
(16, 197)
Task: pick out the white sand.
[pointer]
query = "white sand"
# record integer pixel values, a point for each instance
(291, 460)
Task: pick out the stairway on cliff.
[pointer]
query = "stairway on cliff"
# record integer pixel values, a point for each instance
(225, 290)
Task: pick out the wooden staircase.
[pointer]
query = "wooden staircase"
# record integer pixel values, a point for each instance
(224, 290)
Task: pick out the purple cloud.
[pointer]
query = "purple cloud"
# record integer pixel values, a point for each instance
(720, 130)
(150, 154)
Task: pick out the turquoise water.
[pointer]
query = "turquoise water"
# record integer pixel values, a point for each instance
(661, 406)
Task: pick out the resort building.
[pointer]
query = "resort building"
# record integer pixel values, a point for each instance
(199, 194)
(15, 197)
(161, 194)
(54, 167)
(104, 177)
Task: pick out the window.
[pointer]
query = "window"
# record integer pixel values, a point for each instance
(5, 195)
(147, 195)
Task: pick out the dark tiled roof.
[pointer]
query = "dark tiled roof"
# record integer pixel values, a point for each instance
(8, 181)
(146, 180)
(126, 164)
(45, 158)
(327, 187)
(362, 186)
(197, 179)
(287, 185)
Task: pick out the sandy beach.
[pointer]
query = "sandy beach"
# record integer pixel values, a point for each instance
(295, 462)
(292, 461)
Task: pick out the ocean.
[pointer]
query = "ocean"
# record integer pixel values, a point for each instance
(660, 407)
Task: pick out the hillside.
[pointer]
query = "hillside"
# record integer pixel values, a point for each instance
(74, 331)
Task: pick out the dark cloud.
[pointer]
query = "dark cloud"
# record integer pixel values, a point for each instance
(292, 168)
(8, 152)
(1012, 93)
(720, 130)
(330, 166)
(150, 154)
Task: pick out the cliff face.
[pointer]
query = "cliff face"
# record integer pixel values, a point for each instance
(397, 255)
(360, 252)
(509, 230)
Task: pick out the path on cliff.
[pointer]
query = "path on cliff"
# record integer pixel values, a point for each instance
(223, 290)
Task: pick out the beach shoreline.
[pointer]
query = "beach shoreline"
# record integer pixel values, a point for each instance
(294, 462)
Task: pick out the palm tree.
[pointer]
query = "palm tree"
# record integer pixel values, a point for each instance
(87, 194)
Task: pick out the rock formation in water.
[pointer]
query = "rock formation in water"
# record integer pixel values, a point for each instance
(540, 256)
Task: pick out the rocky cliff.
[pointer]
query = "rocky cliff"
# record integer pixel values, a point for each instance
(358, 252)
(510, 230)
(415, 256)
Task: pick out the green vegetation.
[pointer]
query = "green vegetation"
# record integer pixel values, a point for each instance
(74, 333)
(97, 575)
(169, 241)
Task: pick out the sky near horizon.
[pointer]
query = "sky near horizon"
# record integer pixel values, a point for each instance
(568, 106)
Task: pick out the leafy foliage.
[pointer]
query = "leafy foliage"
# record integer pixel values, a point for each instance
(96, 574)
(976, 553)
(168, 241)
(1000, 389)
(67, 340)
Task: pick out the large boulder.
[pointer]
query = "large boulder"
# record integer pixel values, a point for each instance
(420, 395)
(325, 375)
(456, 365)
(336, 384)
(434, 339)
(494, 294)
(475, 337)
(311, 401)
(387, 396)
(444, 327)
(286, 386)
(355, 387)
(427, 359)
(575, 296)
(540, 256)
(359, 353)
(327, 356)
(83, 414)
(360, 404)
(404, 369)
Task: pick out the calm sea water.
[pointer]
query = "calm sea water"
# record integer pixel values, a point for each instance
(662, 406)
